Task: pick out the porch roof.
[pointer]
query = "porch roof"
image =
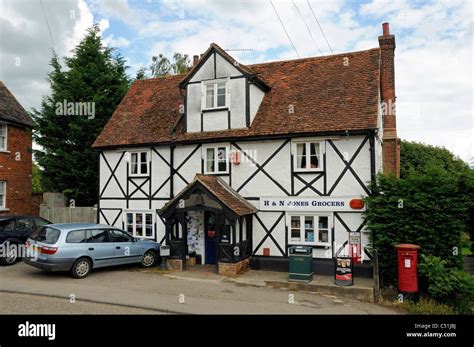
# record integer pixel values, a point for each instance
(221, 191)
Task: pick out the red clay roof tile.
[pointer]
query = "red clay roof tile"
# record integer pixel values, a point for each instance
(326, 95)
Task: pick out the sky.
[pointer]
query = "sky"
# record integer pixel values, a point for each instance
(433, 57)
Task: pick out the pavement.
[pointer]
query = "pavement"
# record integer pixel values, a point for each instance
(362, 288)
(134, 288)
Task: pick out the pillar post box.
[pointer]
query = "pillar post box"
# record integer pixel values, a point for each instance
(407, 255)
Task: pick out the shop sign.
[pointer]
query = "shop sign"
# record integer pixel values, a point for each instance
(310, 204)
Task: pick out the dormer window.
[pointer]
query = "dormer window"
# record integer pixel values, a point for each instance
(215, 95)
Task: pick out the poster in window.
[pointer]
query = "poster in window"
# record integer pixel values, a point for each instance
(343, 271)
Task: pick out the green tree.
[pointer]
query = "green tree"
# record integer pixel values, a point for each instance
(91, 87)
(36, 179)
(181, 63)
(430, 210)
(161, 65)
(141, 74)
(419, 158)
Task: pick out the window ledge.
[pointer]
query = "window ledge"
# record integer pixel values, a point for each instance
(217, 173)
(4, 151)
(316, 245)
(308, 170)
(215, 109)
(138, 175)
(4, 209)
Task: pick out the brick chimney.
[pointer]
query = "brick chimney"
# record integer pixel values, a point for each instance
(391, 143)
(195, 59)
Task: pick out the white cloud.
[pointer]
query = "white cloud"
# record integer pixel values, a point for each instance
(434, 74)
(433, 55)
(25, 39)
(118, 42)
(121, 10)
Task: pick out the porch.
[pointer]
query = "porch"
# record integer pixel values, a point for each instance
(208, 223)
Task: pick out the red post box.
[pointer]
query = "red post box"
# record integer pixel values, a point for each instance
(407, 255)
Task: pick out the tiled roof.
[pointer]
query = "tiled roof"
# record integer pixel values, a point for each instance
(11, 110)
(222, 191)
(327, 94)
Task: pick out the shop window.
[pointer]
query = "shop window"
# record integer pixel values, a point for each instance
(309, 229)
(295, 229)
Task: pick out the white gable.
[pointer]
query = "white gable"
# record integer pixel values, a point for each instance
(205, 115)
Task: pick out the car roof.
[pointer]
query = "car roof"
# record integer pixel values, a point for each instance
(75, 226)
(12, 216)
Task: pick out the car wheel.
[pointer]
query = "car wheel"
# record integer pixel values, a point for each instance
(149, 259)
(81, 268)
(11, 255)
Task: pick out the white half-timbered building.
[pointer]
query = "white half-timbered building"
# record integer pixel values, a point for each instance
(230, 163)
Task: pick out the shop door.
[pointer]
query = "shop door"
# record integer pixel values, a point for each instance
(210, 237)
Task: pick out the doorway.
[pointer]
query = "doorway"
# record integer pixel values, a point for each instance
(210, 237)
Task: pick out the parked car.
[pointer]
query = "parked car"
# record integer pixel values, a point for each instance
(79, 248)
(14, 231)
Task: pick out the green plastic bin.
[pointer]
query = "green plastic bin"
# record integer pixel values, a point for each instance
(301, 263)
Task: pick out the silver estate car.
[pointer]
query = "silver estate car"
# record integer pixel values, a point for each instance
(79, 248)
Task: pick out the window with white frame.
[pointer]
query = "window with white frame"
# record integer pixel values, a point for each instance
(3, 137)
(308, 156)
(140, 224)
(216, 160)
(215, 95)
(139, 163)
(3, 194)
(309, 229)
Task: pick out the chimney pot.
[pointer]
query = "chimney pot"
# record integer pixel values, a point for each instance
(195, 59)
(386, 29)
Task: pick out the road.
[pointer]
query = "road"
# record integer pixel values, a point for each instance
(133, 290)
(14, 303)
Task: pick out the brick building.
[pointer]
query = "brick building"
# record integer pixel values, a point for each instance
(15, 155)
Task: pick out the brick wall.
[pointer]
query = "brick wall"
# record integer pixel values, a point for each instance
(391, 144)
(36, 201)
(233, 269)
(17, 173)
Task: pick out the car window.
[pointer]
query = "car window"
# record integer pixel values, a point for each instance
(97, 236)
(119, 236)
(25, 224)
(76, 236)
(46, 235)
(7, 225)
(40, 222)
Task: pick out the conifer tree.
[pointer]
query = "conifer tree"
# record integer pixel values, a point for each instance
(83, 96)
